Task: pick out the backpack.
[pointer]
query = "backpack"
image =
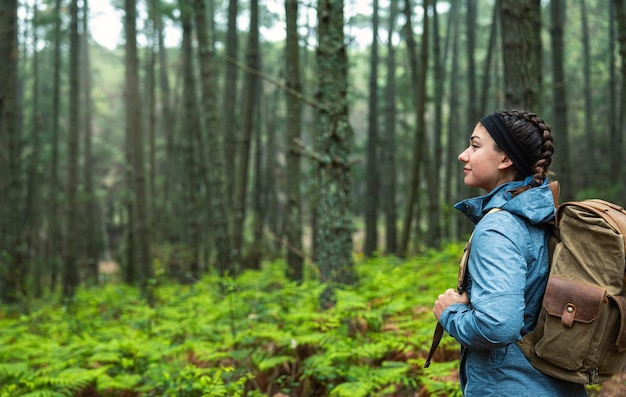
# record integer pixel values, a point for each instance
(581, 329)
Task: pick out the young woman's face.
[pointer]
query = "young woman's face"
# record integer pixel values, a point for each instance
(485, 167)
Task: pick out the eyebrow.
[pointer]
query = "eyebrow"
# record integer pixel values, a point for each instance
(474, 137)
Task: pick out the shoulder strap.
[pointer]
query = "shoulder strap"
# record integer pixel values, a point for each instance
(460, 288)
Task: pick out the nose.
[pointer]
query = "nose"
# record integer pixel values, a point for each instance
(463, 156)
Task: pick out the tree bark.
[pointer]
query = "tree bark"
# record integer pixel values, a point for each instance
(135, 133)
(12, 273)
(293, 219)
(219, 211)
(620, 15)
(559, 100)
(72, 254)
(250, 89)
(191, 145)
(371, 173)
(388, 140)
(333, 142)
(522, 55)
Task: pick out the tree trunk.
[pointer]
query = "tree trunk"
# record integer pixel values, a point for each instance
(420, 154)
(135, 132)
(615, 152)
(191, 145)
(470, 24)
(72, 254)
(90, 206)
(388, 141)
(620, 14)
(55, 246)
(231, 124)
(488, 73)
(371, 173)
(219, 211)
(293, 219)
(12, 272)
(333, 142)
(559, 101)
(589, 170)
(521, 50)
(250, 90)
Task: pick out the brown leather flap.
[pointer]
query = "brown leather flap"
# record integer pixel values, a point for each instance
(572, 300)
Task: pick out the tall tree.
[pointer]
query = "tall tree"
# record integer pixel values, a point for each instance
(250, 89)
(333, 141)
(12, 267)
(615, 152)
(420, 155)
(293, 219)
(219, 211)
(470, 24)
(191, 144)
(388, 141)
(90, 207)
(590, 170)
(521, 51)
(55, 246)
(229, 103)
(620, 15)
(559, 100)
(134, 131)
(74, 235)
(371, 174)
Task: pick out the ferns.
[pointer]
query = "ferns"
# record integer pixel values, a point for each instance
(262, 334)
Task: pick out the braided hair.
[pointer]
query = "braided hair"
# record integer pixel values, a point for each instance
(536, 138)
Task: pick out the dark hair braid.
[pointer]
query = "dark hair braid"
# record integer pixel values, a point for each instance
(536, 138)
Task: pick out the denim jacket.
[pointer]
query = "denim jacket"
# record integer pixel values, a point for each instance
(507, 274)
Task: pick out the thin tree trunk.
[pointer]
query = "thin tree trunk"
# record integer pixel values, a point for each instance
(250, 90)
(559, 101)
(333, 142)
(491, 48)
(615, 152)
(135, 132)
(219, 219)
(231, 124)
(90, 206)
(12, 274)
(55, 247)
(420, 154)
(388, 141)
(620, 14)
(293, 219)
(191, 144)
(371, 174)
(72, 254)
(32, 210)
(470, 24)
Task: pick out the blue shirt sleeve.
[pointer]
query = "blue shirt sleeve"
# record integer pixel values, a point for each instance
(496, 283)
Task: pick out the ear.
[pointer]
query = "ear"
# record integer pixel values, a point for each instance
(505, 163)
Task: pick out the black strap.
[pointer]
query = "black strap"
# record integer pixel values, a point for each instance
(460, 288)
(435, 343)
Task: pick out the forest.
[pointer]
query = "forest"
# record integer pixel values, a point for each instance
(248, 198)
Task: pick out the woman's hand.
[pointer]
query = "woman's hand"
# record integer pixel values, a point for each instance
(446, 299)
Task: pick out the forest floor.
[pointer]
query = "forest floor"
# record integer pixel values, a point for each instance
(614, 387)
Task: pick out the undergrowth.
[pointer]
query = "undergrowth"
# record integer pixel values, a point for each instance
(256, 335)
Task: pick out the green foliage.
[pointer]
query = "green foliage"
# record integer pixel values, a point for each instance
(256, 335)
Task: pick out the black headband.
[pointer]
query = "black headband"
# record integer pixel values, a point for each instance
(508, 143)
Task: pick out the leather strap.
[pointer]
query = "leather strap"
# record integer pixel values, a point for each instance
(460, 288)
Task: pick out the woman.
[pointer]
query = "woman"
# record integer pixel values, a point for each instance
(508, 156)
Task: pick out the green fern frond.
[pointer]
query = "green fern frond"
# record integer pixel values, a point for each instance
(46, 393)
(353, 389)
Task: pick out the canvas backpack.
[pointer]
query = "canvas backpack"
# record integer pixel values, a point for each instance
(581, 330)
